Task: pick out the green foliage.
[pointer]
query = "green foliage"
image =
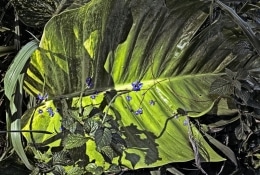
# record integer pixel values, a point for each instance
(74, 140)
(121, 83)
(229, 83)
(91, 126)
(94, 169)
(243, 86)
(120, 91)
(76, 171)
(103, 137)
(246, 27)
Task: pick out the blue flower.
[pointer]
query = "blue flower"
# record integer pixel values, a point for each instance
(128, 98)
(62, 128)
(89, 82)
(139, 111)
(137, 85)
(186, 122)
(50, 111)
(93, 96)
(152, 102)
(42, 97)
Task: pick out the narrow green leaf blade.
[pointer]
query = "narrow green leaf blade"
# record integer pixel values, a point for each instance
(13, 91)
(18, 65)
(226, 150)
(17, 144)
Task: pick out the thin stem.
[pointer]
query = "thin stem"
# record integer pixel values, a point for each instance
(35, 131)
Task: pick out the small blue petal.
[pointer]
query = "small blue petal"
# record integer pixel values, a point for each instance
(93, 96)
(152, 102)
(50, 111)
(89, 82)
(62, 128)
(128, 98)
(137, 85)
(42, 97)
(186, 122)
(139, 111)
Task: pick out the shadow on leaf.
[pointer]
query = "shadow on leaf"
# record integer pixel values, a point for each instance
(143, 141)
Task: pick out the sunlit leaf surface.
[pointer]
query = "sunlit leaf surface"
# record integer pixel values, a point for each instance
(148, 52)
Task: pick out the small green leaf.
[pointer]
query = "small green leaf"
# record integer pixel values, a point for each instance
(103, 137)
(58, 169)
(114, 169)
(76, 171)
(230, 74)
(243, 94)
(221, 86)
(60, 158)
(70, 124)
(74, 141)
(241, 130)
(237, 84)
(91, 126)
(87, 111)
(75, 115)
(107, 125)
(108, 152)
(94, 169)
(41, 157)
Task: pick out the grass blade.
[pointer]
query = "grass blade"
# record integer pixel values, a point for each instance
(17, 67)
(223, 148)
(13, 84)
(17, 144)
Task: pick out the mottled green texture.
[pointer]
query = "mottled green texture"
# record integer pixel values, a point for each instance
(118, 42)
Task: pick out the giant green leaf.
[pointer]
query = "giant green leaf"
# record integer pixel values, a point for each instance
(116, 43)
